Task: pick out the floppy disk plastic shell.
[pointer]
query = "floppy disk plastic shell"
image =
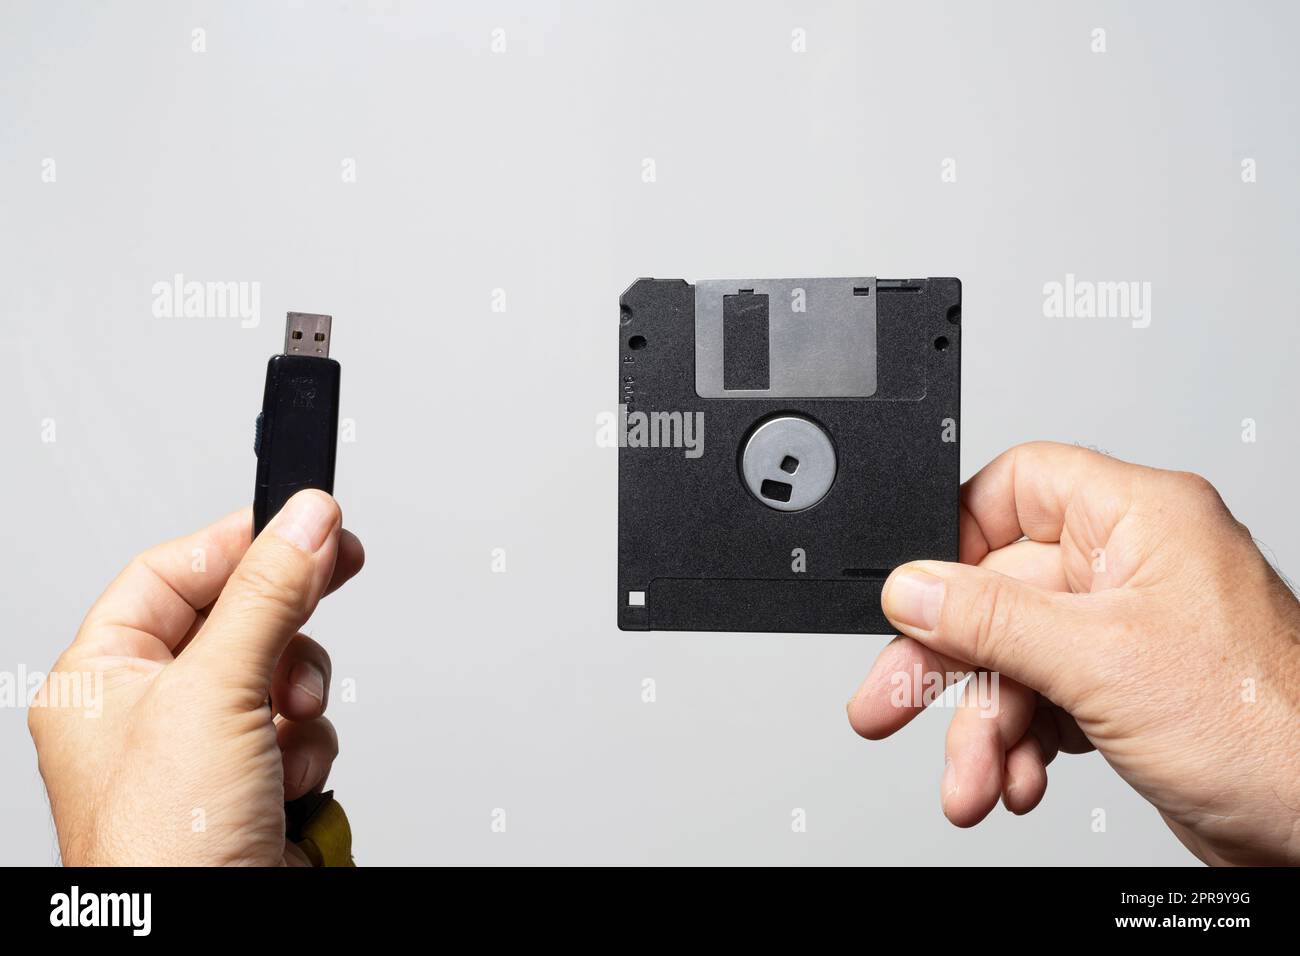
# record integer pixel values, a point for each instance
(698, 548)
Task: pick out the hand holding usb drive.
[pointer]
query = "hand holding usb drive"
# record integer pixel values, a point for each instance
(295, 440)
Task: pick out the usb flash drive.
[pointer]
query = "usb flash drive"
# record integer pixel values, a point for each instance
(297, 430)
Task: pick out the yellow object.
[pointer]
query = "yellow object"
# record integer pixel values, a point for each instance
(327, 836)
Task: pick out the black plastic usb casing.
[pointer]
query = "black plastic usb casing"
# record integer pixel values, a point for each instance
(297, 431)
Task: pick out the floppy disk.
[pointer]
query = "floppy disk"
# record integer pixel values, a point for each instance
(783, 445)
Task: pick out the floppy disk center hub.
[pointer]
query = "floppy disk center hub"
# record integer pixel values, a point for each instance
(788, 463)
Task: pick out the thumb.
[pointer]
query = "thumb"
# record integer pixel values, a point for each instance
(1035, 636)
(269, 596)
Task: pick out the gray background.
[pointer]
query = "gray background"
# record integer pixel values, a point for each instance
(475, 429)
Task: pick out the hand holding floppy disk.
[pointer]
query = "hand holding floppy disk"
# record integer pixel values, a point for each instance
(1125, 609)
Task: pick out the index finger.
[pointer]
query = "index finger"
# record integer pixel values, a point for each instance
(163, 593)
(162, 590)
(1039, 490)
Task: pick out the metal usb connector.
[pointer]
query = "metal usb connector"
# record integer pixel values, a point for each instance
(306, 333)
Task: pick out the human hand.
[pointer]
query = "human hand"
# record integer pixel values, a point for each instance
(184, 764)
(1126, 610)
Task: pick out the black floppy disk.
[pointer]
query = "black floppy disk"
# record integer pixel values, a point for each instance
(783, 445)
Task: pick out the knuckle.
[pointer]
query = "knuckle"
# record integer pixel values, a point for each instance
(137, 568)
(304, 648)
(995, 607)
(1199, 488)
(1038, 447)
(1032, 454)
(331, 740)
(269, 583)
(36, 723)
